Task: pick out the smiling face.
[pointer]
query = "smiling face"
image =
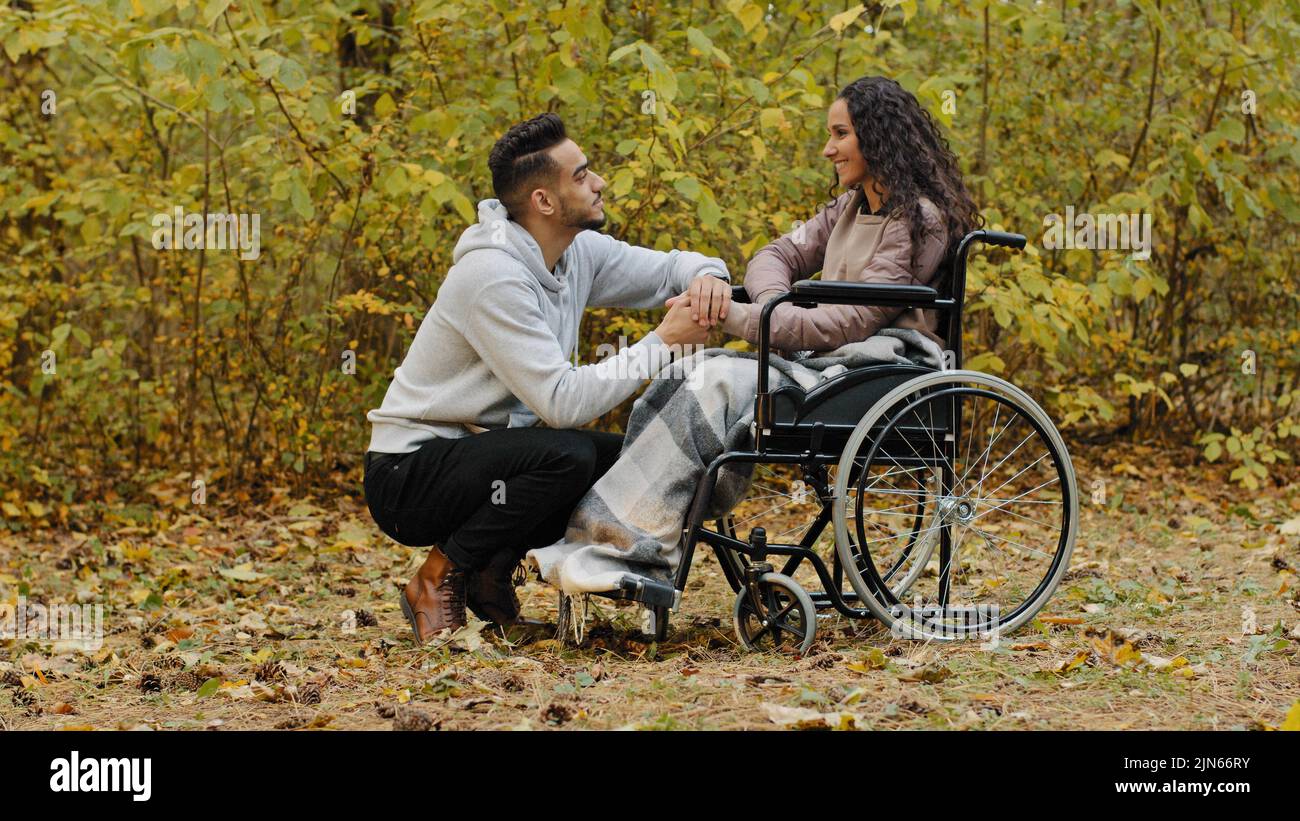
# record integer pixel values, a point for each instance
(842, 146)
(578, 189)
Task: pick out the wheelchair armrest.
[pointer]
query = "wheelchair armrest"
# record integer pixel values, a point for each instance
(864, 293)
(739, 294)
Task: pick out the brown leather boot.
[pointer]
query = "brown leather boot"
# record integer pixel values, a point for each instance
(436, 597)
(490, 592)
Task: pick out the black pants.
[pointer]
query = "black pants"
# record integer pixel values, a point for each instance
(510, 489)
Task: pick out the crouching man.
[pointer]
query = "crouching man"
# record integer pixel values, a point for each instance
(457, 461)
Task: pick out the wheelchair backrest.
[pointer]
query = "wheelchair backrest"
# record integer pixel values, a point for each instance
(952, 283)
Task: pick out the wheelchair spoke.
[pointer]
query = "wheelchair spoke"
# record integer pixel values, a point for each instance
(1014, 498)
(876, 488)
(1022, 470)
(970, 440)
(1017, 500)
(796, 631)
(1020, 501)
(1019, 516)
(895, 536)
(781, 615)
(990, 536)
(983, 457)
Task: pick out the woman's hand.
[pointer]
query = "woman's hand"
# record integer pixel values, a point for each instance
(709, 298)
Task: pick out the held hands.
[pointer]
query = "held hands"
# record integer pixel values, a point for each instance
(708, 297)
(678, 328)
(694, 312)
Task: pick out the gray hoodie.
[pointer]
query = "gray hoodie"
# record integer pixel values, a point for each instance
(494, 350)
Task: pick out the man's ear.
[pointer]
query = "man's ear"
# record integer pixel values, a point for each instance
(542, 201)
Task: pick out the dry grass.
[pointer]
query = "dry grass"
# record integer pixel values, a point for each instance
(1172, 563)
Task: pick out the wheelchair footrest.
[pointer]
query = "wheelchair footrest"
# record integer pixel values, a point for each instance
(647, 591)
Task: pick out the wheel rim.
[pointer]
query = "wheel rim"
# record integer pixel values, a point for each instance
(983, 500)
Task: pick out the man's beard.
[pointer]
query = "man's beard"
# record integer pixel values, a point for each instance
(572, 218)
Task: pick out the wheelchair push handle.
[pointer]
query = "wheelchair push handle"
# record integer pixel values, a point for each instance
(1001, 238)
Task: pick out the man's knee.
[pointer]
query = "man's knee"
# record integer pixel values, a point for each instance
(573, 456)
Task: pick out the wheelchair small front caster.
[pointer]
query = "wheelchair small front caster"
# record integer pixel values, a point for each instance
(783, 618)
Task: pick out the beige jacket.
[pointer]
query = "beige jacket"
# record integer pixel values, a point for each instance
(845, 246)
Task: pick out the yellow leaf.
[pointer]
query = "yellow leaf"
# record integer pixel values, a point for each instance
(1292, 721)
(842, 20)
(1078, 660)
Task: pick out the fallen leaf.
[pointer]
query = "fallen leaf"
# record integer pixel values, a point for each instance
(929, 674)
(1292, 720)
(1113, 647)
(1031, 646)
(1075, 662)
(242, 573)
(805, 718)
(873, 659)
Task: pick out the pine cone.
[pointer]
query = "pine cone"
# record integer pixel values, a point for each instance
(366, 619)
(269, 671)
(27, 701)
(184, 680)
(309, 693)
(11, 678)
(409, 719)
(150, 683)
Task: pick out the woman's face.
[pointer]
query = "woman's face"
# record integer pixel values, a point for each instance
(842, 146)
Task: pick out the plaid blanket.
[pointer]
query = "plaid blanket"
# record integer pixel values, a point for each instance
(630, 522)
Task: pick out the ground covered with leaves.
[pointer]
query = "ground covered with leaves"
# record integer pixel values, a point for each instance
(1180, 610)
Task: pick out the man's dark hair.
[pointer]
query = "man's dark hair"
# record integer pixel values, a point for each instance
(519, 161)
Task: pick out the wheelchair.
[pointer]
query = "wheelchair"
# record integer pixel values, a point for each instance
(950, 496)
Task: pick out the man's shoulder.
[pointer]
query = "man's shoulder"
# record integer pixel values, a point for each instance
(593, 242)
(486, 267)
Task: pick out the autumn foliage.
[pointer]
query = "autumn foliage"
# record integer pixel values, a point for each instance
(358, 133)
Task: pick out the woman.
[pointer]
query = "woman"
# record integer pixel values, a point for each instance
(904, 206)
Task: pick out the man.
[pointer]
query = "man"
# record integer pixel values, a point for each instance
(456, 460)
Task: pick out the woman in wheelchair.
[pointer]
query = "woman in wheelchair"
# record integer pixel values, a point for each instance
(946, 486)
(904, 200)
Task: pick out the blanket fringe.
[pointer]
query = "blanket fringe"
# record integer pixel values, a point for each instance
(569, 617)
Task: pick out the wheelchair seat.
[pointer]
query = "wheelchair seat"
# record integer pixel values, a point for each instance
(843, 399)
(836, 404)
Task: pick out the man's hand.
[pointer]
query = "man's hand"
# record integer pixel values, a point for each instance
(678, 328)
(709, 298)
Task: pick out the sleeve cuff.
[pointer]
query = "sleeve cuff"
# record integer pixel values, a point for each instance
(737, 320)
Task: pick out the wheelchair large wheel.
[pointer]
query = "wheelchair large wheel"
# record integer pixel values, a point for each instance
(958, 483)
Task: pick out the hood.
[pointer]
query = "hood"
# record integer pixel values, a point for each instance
(496, 231)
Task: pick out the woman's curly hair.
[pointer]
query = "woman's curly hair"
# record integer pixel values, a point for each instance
(909, 157)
